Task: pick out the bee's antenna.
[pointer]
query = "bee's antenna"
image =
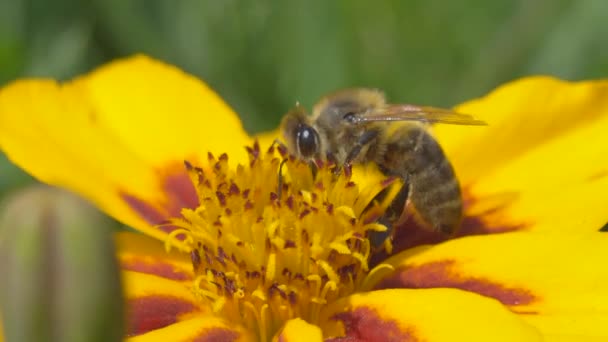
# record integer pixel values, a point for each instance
(280, 179)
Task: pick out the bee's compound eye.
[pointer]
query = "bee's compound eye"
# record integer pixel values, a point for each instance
(307, 141)
(350, 117)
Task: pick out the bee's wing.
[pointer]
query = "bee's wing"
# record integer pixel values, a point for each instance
(409, 112)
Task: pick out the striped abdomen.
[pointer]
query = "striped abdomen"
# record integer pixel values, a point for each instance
(412, 153)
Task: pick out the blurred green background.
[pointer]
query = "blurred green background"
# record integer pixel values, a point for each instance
(262, 56)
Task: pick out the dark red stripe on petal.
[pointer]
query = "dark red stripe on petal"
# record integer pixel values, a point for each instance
(414, 233)
(491, 220)
(479, 225)
(217, 335)
(145, 210)
(443, 274)
(153, 215)
(364, 325)
(158, 268)
(155, 312)
(178, 191)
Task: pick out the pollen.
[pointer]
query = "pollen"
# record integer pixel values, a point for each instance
(274, 239)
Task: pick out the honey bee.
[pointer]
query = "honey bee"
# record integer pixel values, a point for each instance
(358, 126)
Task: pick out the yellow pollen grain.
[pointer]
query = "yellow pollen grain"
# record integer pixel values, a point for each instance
(261, 259)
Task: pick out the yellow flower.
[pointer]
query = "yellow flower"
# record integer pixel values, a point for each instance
(246, 264)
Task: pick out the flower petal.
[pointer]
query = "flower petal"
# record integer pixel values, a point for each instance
(298, 330)
(544, 145)
(204, 329)
(139, 253)
(156, 284)
(119, 136)
(154, 302)
(556, 281)
(562, 184)
(572, 338)
(521, 116)
(423, 315)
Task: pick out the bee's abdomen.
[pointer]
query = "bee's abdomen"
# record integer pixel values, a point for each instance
(434, 190)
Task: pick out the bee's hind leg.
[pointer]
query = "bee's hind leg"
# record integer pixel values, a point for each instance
(391, 217)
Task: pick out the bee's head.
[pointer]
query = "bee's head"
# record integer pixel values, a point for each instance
(302, 138)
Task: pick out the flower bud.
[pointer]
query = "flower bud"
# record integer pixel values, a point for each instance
(60, 279)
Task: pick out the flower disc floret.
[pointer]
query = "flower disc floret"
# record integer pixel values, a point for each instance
(277, 239)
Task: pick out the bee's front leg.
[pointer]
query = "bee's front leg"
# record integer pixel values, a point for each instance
(366, 138)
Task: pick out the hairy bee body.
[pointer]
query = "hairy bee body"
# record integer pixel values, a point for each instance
(413, 154)
(358, 126)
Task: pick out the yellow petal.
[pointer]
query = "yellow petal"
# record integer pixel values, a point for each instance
(424, 315)
(539, 164)
(298, 330)
(139, 253)
(521, 115)
(154, 302)
(573, 338)
(160, 112)
(555, 281)
(119, 135)
(204, 328)
(562, 184)
(156, 284)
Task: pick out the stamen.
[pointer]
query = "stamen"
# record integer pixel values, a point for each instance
(259, 323)
(280, 180)
(264, 322)
(379, 269)
(273, 240)
(173, 239)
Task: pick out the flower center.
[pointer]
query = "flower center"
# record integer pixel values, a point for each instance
(267, 247)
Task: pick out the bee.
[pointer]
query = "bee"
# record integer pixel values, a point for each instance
(358, 126)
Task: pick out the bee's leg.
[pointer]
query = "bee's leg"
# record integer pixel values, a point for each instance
(365, 138)
(313, 169)
(391, 216)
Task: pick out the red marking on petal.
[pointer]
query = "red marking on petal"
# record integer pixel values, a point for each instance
(443, 274)
(217, 335)
(181, 191)
(482, 223)
(157, 267)
(145, 210)
(413, 233)
(178, 191)
(364, 325)
(477, 225)
(155, 312)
